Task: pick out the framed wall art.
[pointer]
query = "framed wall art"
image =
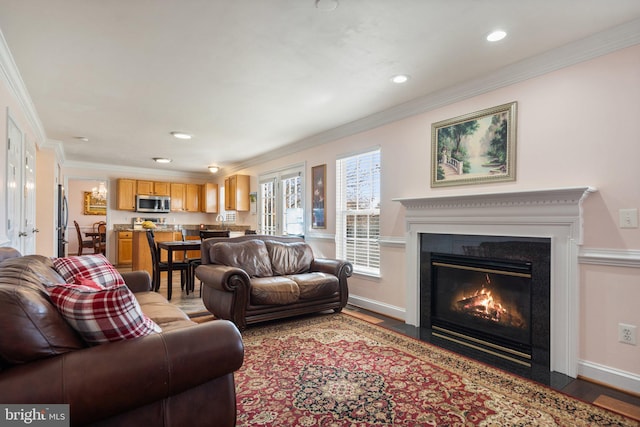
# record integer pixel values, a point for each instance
(94, 205)
(475, 148)
(318, 179)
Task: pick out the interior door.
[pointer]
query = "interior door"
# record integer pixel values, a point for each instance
(28, 226)
(14, 183)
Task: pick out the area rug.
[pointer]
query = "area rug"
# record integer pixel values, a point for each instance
(336, 370)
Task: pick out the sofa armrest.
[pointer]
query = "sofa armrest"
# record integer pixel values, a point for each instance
(223, 277)
(109, 379)
(137, 281)
(339, 268)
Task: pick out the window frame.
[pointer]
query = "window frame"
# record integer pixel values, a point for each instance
(349, 244)
(277, 178)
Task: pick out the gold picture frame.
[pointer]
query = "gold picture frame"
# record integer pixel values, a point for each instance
(318, 194)
(475, 148)
(94, 205)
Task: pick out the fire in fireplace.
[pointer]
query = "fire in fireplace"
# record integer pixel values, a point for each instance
(483, 299)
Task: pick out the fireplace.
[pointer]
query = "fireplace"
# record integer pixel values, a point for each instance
(489, 293)
(554, 216)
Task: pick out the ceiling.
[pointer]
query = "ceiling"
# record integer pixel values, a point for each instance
(251, 77)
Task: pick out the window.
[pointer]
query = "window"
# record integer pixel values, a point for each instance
(228, 217)
(281, 203)
(358, 211)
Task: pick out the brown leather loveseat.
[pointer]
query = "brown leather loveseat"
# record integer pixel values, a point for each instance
(182, 376)
(254, 278)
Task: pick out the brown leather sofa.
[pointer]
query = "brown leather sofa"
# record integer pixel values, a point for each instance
(254, 278)
(182, 376)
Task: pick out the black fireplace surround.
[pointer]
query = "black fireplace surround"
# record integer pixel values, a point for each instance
(488, 293)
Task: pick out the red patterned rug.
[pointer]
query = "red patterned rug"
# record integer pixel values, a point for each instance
(336, 370)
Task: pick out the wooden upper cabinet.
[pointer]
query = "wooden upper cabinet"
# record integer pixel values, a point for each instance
(177, 197)
(126, 195)
(145, 188)
(162, 188)
(192, 198)
(153, 188)
(236, 193)
(209, 202)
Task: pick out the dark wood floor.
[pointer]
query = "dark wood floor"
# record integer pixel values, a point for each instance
(612, 399)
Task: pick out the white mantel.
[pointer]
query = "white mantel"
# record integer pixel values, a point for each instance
(553, 213)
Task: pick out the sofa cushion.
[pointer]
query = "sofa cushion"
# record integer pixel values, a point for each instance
(158, 309)
(315, 285)
(105, 315)
(290, 257)
(95, 267)
(251, 256)
(275, 290)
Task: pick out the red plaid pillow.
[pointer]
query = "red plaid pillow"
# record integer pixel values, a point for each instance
(104, 315)
(94, 267)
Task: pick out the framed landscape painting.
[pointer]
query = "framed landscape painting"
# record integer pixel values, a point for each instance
(475, 148)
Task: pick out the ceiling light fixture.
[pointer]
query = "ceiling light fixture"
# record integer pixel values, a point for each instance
(326, 5)
(213, 169)
(82, 138)
(181, 135)
(161, 160)
(400, 78)
(496, 36)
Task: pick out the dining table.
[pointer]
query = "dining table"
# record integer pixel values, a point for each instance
(176, 246)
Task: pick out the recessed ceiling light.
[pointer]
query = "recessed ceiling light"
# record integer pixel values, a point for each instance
(82, 138)
(496, 36)
(181, 135)
(326, 5)
(161, 160)
(400, 78)
(213, 169)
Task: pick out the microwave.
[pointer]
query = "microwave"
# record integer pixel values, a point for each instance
(157, 204)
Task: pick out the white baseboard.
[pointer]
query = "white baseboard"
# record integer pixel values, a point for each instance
(378, 307)
(609, 376)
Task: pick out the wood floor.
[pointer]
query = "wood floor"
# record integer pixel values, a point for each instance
(606, 397)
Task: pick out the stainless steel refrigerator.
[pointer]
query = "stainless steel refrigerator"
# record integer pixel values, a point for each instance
(62, 220)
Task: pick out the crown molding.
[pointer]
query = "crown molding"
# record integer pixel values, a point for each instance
(118, 170)
(591, 47)
(11, 78)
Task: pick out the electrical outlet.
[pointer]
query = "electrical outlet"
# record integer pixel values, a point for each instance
(627, 334)
(628, 218)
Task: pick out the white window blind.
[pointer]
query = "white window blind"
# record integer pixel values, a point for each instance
(268, 207)
(358, 211)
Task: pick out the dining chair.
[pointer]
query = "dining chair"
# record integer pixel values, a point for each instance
(195, 262)
(159, 266)
(82, 243)
(100, 238)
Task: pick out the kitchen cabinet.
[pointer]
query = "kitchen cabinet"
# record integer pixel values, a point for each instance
(126, 195)
(177, 197)
(153, 188)
(125, 248)
(192, 198)
(209, 203)
(185, 197)
(236, 193)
